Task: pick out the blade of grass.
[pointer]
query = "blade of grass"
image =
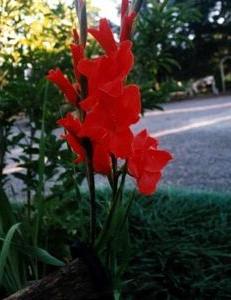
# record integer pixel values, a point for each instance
(6, 248)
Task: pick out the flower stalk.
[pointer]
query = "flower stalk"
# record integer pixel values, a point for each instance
(101, 135)
(91, 186)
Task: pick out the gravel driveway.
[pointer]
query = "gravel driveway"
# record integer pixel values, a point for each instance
(198, 133)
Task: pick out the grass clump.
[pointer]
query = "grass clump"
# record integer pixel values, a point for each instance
(181, 246)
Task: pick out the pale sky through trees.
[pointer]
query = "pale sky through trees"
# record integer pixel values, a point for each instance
(108, 9)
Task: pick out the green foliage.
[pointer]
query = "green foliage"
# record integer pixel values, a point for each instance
(181, 246)
(36, 36)
(211, 41)
(160, 27)
(18, 258)
(179, 243)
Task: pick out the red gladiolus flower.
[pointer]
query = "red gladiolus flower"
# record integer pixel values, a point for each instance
(115, 115)
(115, 139)
(73, 127)
(110, 108)
(104, 36)
(146, 162)
(76, 135)
(57, 77)
(106, 74)
(124, 110)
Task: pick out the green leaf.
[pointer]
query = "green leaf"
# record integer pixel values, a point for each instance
(37, 252)
(6, 214)
(46, 257)
(6, 248)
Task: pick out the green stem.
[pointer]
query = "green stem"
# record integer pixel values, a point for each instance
(29, 169)
(116, 198)
(121, 187)
(114, 177)
(41, 167)
(91, 186)
(2, 150)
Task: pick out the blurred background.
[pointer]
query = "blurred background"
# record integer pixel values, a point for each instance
(182, 64)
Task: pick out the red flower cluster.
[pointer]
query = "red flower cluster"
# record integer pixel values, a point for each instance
(109, 109)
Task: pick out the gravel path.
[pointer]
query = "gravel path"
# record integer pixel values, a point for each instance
(198, 133)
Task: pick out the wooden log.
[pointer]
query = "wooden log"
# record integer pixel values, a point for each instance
(76, 281)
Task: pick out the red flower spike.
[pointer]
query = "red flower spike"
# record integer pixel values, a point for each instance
(126, 29)
(110, 107)
(98, 136)
(146, 162)
(57, 77)
(104, 36)
(77, 54)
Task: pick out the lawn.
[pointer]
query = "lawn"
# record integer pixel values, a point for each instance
(180, 243)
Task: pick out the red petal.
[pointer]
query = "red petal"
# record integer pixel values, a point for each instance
(57, 77)
(151, 142)
(140, 140)
(101, 159)
(143, 141)
(133, 166)
(125, 58)
(104, 36)
(120, 144)
(147, 183)
(89, 103)
(93, 127)
(113, 88)
(87, 66)
(127, 26)
(156, 160)
(130, 106)
(71, 124)
(77, 54)
(76, 147)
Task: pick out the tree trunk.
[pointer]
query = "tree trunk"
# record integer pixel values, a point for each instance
(78, 280)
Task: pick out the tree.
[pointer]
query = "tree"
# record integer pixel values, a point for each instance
(35, 37)
(211, 38)
(160, 28)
